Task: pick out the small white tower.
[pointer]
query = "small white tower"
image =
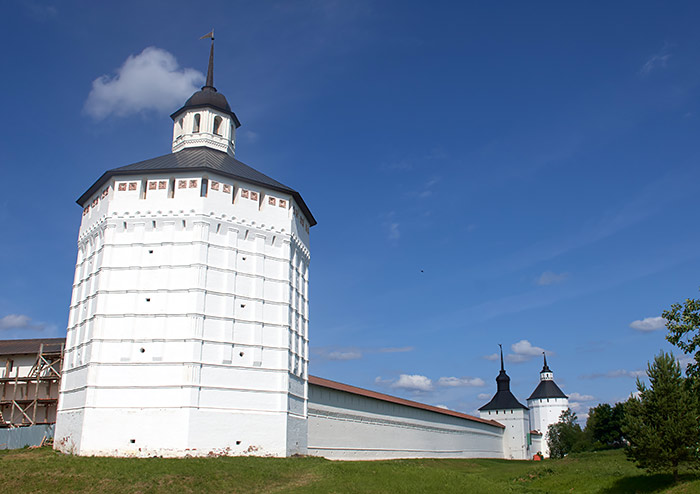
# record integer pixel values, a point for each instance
(506, 409)
(189, 318)
(546, 403)
(206, 118)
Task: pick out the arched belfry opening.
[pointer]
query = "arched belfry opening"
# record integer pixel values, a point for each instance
(209, 120)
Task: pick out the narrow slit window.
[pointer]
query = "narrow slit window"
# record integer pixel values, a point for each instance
(171, 188)
(217, 126)
(205, 186)
(197, 120)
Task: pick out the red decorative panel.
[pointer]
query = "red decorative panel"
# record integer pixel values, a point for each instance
(133, 185)
(283, 203)
(182, 184)
(244, 193)
(163, 184)
(152, 185)
(227, 188)
(254, 196)
(105, 192)
(272, 201)
(193, 184)
(214, 185)
(122, 187)
(86, 210)
(94, 203)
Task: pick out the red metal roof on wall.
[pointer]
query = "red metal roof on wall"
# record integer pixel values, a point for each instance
(326, 383)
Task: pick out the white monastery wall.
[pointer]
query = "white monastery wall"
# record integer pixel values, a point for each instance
(188, 327)
(348, 426)
(517, 423)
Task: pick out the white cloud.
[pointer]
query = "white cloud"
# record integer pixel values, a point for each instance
(460, 381)
(649, 324)
(149, 81)
(580, 397)
(492, 357)
(658, 61)
(442, 406)
(483, 396)
(20, 321)
(413, 382)
(428, 188)
(250, 136)
(355, 353)
(401, 349)
(394, 232)
(616, 373)
(347, 355)
(524, 351)
(550, 278)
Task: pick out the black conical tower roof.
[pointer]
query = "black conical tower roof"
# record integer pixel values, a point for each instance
(208, 96)
(547, 388)
(503, 399)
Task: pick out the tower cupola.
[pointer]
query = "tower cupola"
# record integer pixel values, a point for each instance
(546, 373)
(503, 399)
(206, 119)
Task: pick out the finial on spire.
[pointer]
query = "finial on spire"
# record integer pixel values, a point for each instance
(545, 358)
(210, 69)
(501, 347)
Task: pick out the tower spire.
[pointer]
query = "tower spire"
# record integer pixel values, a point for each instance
(501, 347)
(545, 367)
(210, 69)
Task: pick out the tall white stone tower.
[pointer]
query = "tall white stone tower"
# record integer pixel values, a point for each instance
(546, 403)
(188, 326)
(506, 409)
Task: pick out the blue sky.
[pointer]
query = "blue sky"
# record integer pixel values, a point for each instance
(523, 174)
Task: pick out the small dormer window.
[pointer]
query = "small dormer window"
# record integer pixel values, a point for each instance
(179, 127)
(217, 126)
(197, 119)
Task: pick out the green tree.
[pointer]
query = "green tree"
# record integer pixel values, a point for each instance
(565, 436)
(661, 424)
(604, 425)
(683, 324)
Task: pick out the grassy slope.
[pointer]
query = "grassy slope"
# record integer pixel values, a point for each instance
(42, 470)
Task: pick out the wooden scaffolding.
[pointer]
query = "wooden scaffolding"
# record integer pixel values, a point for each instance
(32, 399)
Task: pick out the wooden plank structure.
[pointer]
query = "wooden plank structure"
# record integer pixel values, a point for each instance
(33, 399)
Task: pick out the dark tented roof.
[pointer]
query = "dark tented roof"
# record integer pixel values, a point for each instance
(23, 347)
(200, 159)
(208, 97)
(547, 389)
(503, 399)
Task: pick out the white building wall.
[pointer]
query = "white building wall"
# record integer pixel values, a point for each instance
(188, 328)
(515, 436)
(543, 413)
(347, 426)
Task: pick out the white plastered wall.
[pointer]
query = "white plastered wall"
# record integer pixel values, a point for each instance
(347, 426)
(543, 413)
(515, 437)
(188, 328)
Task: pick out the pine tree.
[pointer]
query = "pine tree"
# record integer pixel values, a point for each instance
(661, 424)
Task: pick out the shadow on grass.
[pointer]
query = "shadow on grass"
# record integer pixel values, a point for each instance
(645, 483)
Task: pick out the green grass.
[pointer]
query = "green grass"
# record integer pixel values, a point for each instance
(43, 470)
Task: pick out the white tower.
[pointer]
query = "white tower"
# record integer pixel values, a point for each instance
(506, 409)
(546, 403)
(188, 325)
